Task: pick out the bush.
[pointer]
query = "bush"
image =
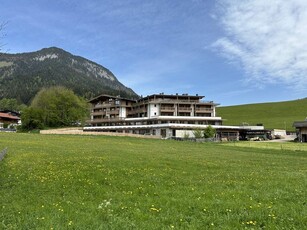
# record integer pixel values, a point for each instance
(198, 133)
(32, 118)
(186, 135)
(209, 132)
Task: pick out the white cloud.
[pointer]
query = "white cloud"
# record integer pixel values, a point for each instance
(267, 38)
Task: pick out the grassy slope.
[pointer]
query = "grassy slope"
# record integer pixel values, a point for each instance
(91, 182)
(278, 115)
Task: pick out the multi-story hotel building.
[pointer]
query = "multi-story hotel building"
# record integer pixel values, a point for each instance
(157, 114)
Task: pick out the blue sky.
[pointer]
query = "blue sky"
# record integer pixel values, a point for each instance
(231, 51)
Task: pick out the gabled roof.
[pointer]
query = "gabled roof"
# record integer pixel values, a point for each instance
(8, 116)
(299, 124)
(12, 112)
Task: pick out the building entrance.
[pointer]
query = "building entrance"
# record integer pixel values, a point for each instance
(304, 137)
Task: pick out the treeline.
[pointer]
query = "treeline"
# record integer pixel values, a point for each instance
(11, 104)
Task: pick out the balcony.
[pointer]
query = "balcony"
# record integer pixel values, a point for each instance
(102, 120)
(115, 111)
(141, 110)
(184, 109)
(105, 105)
(98, 113)
(203, 110)
(167, 109)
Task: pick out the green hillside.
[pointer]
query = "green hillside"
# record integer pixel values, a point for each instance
(275, 115)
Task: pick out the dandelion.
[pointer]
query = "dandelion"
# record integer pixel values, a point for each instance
(154, 209)
(105, 204)
(251, 222)
(70, 223)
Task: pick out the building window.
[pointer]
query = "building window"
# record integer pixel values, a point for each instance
(155, 113)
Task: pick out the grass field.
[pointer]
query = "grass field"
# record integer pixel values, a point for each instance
(277, 115)
(100, 182)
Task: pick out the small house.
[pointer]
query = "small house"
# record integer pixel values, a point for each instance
(8, 119)
(301, 130)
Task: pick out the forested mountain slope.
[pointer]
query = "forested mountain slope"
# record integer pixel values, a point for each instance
(23, 75)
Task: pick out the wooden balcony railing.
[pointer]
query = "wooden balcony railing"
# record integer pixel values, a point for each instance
(116, 111)
(185, 109)
(164, 108)
(134, 111)
(98, 113)
(115, 119)
(106, 105)
(203, 110)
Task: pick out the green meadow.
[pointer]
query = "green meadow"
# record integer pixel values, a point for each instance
(101, 182)
(274, 115)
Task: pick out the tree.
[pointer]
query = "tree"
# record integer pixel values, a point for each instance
(209, 132)
(57, 107)
(11, 104)
(31, 119)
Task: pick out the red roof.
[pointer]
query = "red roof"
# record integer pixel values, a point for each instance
(9, 116)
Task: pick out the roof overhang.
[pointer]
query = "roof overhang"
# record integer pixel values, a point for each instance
(106, 97)
(174, 118)
(300, 124)
(171, 126)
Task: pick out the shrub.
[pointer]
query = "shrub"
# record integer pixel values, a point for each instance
(198, 133)
(209, 132)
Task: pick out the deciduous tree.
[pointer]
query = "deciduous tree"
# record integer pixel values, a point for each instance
(31, 119)
(57, 107)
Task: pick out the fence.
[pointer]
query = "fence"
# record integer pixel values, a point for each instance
(2, 153)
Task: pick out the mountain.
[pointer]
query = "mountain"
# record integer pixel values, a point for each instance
(274, 115)
(23, 75)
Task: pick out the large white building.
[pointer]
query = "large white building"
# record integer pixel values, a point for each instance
(158, 114)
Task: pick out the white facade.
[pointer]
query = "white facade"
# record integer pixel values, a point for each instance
(122, 112)
(153, 110)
